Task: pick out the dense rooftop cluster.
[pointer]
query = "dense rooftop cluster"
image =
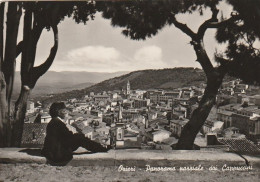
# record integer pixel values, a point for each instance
(154, 118)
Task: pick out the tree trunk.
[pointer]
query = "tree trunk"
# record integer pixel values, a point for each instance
(4, 123)
(7, 67)
(214, 80)
(3, 114)
(200, 114)
(29, 73)
(19, 115)
(12, 25)
(2, 11)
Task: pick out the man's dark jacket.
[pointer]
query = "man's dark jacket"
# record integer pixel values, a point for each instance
(57, 144)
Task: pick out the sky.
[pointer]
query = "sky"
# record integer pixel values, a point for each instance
(99, 47)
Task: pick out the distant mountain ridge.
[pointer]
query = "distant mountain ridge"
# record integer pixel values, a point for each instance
(144, 79)
(147, 79)
(58, 82)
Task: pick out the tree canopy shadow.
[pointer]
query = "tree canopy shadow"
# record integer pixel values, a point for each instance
(37, 152)
(32, 151)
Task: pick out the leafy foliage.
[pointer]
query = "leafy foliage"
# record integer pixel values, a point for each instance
(144, 18)
(81, 12)
(242, 56)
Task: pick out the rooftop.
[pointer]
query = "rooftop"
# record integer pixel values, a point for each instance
(33, 134)
(181, 122)
(161, 131)
(224, 112)
(101, 96)
(240, 145)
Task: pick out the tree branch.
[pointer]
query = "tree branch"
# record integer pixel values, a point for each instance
(224, 22)
(198, 45)
(213, 22)
(19, 48)
(27, 32)
(38, 71)
(202, 57)
(202, 29)
(36, 32)
(183, 27)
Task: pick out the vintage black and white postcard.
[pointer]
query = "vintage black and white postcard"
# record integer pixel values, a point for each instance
(130, 90)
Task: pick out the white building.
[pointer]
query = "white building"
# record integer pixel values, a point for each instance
(45, 118)
(30, 108)
(161, 135)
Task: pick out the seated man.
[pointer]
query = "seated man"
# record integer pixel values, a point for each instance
(60, 142)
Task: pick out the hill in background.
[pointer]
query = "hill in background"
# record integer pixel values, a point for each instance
(147, 79)
(58, 82)
(144, 79)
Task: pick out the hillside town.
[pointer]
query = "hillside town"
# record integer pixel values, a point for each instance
(154, 118)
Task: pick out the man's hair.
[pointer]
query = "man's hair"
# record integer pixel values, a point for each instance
(55, 107)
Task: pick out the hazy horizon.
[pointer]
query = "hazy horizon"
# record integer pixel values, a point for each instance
(117, 71)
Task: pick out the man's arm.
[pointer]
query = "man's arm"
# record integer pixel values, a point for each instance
(64, 132)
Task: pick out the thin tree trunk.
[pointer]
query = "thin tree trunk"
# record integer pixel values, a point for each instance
(3, 110)
(200, 114)
(28, 56)
(2, 11)
(3, 103)
(29, 78)
(12, 25)
(214, 78)
(20, 110)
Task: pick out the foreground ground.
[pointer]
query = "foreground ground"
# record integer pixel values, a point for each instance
(24, 164)
(43, 172)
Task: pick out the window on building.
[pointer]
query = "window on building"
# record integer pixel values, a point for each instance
(228, 124)
(119, 134)
(33, 135)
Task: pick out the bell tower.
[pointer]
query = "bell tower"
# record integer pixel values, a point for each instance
(128, 88)
(119, 143)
